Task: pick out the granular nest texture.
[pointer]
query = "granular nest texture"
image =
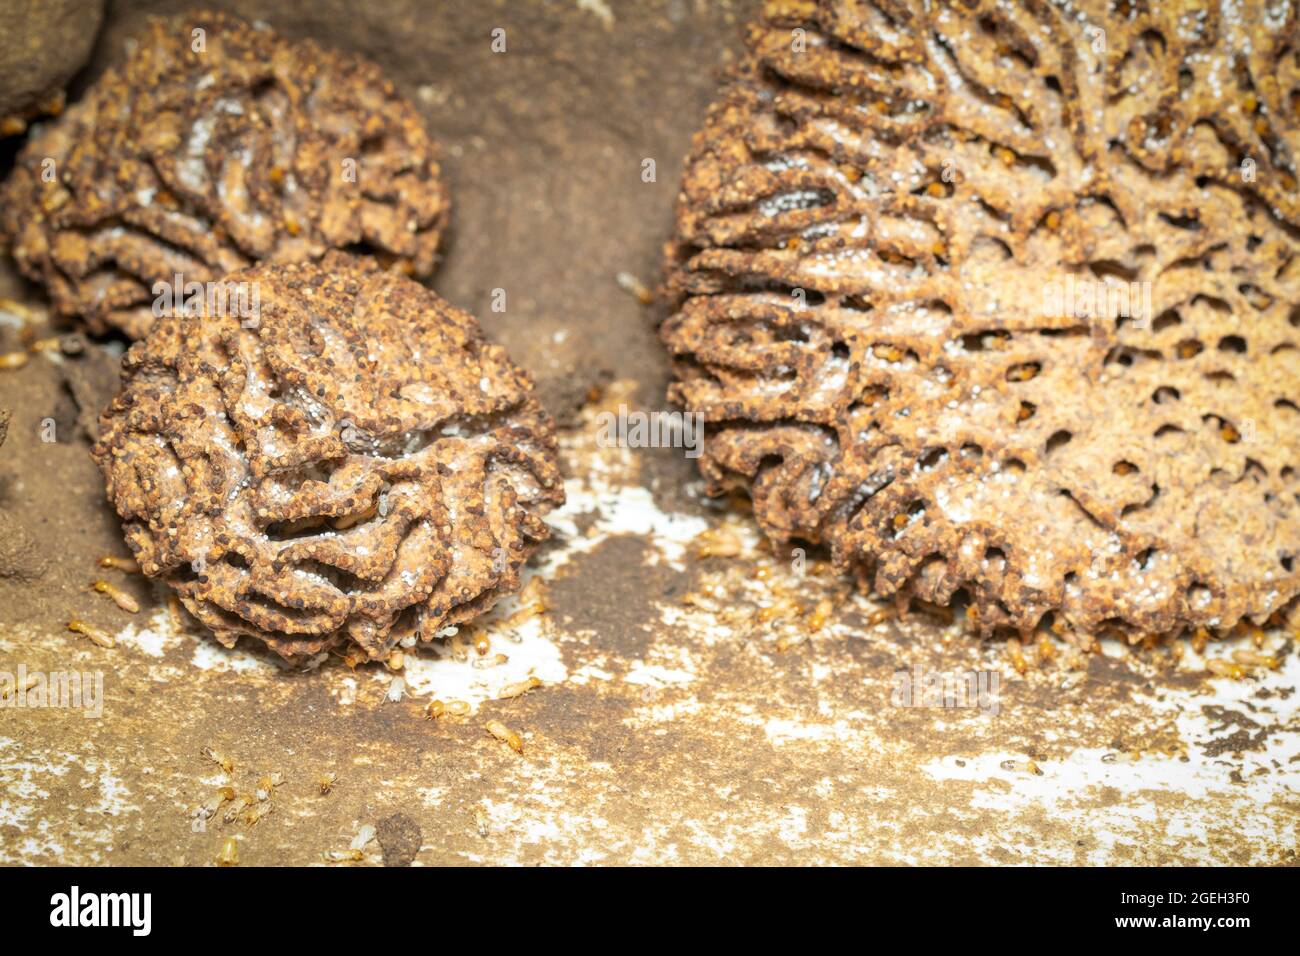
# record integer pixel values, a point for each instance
(999, 301)
(356, 464)
(212, 145)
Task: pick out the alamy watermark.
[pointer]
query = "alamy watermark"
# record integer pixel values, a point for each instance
(965, 690)
(1098, 299)
(76, 690)
(637, 429)
(240, 300)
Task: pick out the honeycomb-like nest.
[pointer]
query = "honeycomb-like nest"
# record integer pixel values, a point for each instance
(197, 159)
(872, 227)
(355, 463)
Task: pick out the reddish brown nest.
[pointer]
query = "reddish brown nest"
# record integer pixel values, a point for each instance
(212, 145)
(353, 463)
(1000, 300)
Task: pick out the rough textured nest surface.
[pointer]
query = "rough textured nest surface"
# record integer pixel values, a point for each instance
(870, 232)
(201, 153)
(355, 464)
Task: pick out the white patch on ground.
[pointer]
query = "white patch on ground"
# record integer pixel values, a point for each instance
(435, 672)
(626, 510)
(154, 637)
(1139, 778)
(23, 781)
(211, 656)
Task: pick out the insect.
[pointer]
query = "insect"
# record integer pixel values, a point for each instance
(13, 360)
(635, 287)
(127, 565)
(457, 708)
(396, 691)
(435, 709)
(879, 616)
(1024, 766)
(175, 612)
(343, 856)
(220, 759)
(267, 784)
(1222, 668)
(254, 814)
(1018, 660)
(717, 543)
(787, 641)
(1255, 659)
(496, 660)
(243, 802)
(514, 690)
(1046, 649)
(326, 782)
(229, 855)
(119, 597)
(101, 638)
(507, 736)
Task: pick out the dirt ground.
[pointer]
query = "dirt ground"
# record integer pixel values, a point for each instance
(702, 700)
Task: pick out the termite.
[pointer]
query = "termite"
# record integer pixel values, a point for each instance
(635, 287)
(1026, 766)
(1046, 649)
(221, 760)
(717, 544)
(229, 855)
(1224, 668)
(174, 612)
(787, 641)
(1018, 660)
(78, 626)
(496, 660)
(253, 815)
(119, 597)
(820, 614)
(127, 565)
(507, 736)
(1255, 659)
(326, 782)
(343, 856)
(13, 360)
(879, 616)
(518, 689)
(435, 709)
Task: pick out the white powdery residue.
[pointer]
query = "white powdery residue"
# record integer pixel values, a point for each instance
(1198, 776)
(793, 827)
(589, 672)
(436, 673)
(781, 730)
(212, 656)
(629, 510)
(155, 637)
